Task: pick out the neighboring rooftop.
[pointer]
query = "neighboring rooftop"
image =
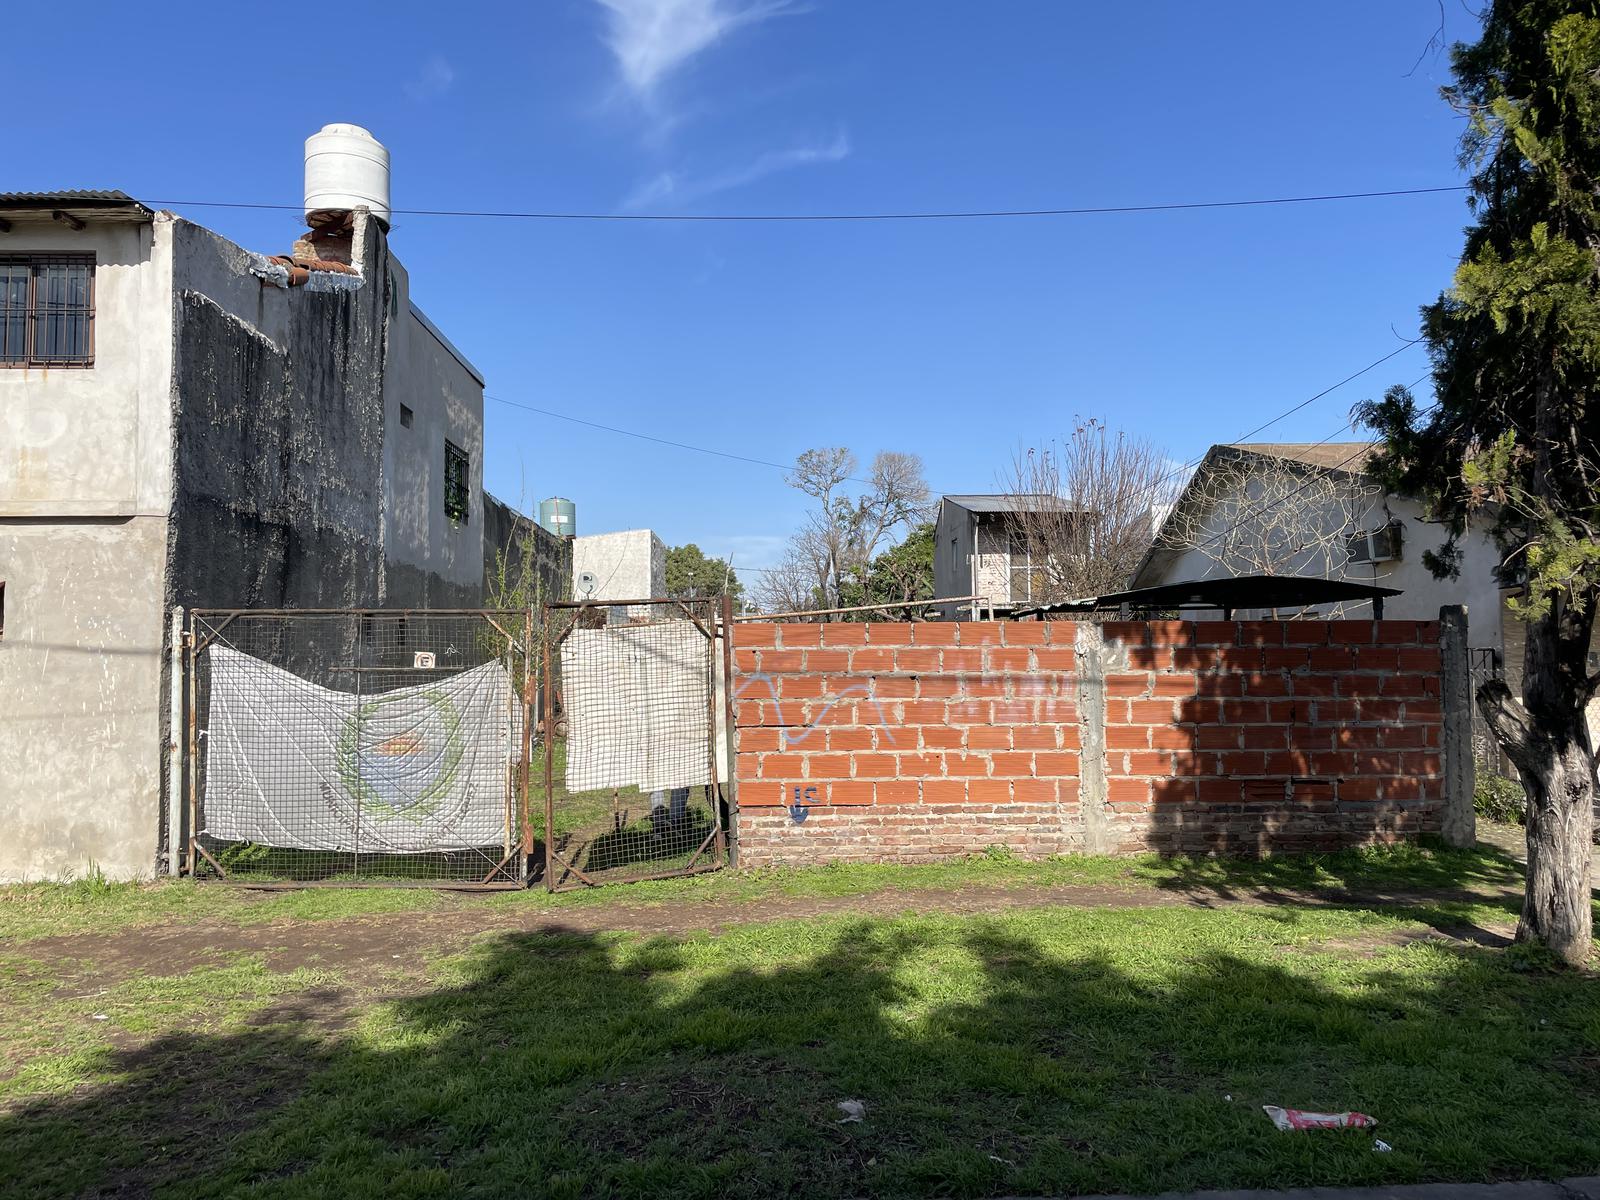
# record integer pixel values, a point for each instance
(77, 204)
(1336, 456)
(1011, 503)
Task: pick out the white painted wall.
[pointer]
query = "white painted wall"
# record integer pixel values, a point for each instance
(1422, 595)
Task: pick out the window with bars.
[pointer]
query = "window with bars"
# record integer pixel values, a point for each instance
(457, 472)
(46, 310)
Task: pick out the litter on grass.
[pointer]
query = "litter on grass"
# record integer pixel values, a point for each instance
(853, 1110)
(1381, 1146)
(1288, 1119)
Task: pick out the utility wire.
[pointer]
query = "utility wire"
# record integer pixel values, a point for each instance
(660, 441)
(1267, 506)
(959, 215)
(789, 467)
(1194, 462)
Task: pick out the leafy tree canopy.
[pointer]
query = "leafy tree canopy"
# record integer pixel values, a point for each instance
(691, 574)
(903, 572)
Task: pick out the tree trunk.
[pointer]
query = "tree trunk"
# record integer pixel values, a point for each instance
(1547, 738)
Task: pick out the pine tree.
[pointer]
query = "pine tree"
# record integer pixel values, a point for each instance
(1514, 440)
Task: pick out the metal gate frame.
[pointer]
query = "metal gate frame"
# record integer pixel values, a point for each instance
(206, 626)
(716, 841)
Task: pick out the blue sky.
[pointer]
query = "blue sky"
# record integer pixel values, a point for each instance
(959, 341)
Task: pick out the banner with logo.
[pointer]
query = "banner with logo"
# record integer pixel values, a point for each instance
(288, 763)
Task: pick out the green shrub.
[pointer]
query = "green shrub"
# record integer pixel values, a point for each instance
(1500, 799)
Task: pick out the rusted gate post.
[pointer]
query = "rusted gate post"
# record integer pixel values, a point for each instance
(730, 817)
(548, 741)
(527, 742)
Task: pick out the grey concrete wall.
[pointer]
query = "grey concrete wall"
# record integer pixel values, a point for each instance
(952, 553)
(278, 434)
(430, 559)
(228, 448)
(537, 563)
(85, 474)
(80, 670)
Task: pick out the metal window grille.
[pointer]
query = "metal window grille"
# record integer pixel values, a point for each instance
(456, 474)
(633, 768)
(1485, 664)
(360, 747)
(47, 310)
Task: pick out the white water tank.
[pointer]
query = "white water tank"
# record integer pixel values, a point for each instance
(346, 168)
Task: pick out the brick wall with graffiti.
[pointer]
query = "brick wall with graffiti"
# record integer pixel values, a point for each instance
(914, 741)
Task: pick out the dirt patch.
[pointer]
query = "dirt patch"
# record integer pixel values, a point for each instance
(363, 948)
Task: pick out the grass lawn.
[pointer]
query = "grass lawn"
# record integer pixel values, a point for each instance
(510, 1045)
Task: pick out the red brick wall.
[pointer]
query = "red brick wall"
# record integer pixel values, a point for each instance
(905, 741)
(1256, 736)
(898, 741)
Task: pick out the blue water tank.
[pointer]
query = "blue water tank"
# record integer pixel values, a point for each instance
(559, 515)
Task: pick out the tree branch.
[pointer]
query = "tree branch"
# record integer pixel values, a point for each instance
(1511, 725)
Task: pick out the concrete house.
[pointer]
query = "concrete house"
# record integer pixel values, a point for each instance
(1299, 509)
(186, 423)
(981, 548)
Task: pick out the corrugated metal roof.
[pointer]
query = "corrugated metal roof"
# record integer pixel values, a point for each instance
(70, 194)
(1226, 592)
(1003, 503)
(105, 204)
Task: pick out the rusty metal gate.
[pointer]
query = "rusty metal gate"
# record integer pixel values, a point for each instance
(359, 746)
(633, 748)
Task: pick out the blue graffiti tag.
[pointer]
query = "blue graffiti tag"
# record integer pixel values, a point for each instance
(793, 737)
(797, 810)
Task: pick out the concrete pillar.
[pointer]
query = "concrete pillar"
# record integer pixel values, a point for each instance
(1092, 657)
(1455, 687)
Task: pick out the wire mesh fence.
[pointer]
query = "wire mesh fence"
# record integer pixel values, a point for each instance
(631, 753)
(360, 746)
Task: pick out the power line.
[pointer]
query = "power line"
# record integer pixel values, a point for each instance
(1151, 489)
(661, 441)
(958, 215)
(789, 467)
(1267, 506)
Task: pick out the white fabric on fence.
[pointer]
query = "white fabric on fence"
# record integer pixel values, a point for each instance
(288, 763)
(637, 706)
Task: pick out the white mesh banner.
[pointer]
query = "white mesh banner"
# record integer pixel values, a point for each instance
(638, 706)
(425, 768)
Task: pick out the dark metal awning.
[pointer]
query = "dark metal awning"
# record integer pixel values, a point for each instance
(1228, 593)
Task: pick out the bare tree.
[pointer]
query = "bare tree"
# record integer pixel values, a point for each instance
(1085, 509)
(796, 583)
(847, 529)
(1250, 513)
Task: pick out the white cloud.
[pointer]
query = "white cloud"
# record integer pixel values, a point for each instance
(677, 187)
(652, 38)
(434, 79)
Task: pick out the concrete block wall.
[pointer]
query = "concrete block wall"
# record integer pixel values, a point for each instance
(908, 742)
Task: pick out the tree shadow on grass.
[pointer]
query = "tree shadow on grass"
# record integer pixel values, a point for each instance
(1271, 864)
(1032, 1053)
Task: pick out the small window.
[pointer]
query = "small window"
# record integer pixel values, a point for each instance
(1376, 546)
(46, 310)
(457, 472)
(406, 417)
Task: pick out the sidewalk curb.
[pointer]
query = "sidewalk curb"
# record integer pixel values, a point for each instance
(1578, 1188)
